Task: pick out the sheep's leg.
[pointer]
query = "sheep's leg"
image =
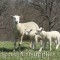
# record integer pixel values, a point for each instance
(21, 39)
(20, 42)
(14, 45)
(50, 45)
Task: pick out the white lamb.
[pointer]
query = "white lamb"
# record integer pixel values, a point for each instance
(22, 26)
(49, 36)
(33, 37)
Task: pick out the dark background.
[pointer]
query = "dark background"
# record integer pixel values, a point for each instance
(45, 13)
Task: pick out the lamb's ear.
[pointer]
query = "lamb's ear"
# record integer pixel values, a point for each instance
(40, 29)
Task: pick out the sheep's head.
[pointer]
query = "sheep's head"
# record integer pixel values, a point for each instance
(16, 18)
(27, 32)
(39, 30)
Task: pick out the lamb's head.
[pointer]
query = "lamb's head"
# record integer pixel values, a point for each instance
(39, 31)
(16, 18)
(27, 31)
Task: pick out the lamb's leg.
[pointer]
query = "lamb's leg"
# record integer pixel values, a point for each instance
(30, 43)
(36, 39)
(33, 44)
(40, 49)
(42, 46)
(58, 43)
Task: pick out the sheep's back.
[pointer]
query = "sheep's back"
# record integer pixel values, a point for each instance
(31, 25)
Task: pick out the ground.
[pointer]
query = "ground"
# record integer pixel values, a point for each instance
(26, 53)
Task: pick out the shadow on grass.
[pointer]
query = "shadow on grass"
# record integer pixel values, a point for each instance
(6, 49)
(22, 48)
(11, 50)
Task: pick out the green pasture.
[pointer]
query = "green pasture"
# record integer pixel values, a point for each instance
(26, 53)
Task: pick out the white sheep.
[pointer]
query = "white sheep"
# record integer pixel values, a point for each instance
(22, 26)
(49, 36)
(33, 37)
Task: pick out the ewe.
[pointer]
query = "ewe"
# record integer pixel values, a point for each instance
(33, 37)
(49, 36)
(22, 26)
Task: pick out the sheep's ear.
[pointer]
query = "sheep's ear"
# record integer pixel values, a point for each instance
(30, 30)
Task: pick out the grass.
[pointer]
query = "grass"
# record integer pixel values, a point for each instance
(25, 53)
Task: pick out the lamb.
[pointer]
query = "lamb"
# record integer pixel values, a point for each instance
(20, 27)
(33, 37)
(49, 36)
